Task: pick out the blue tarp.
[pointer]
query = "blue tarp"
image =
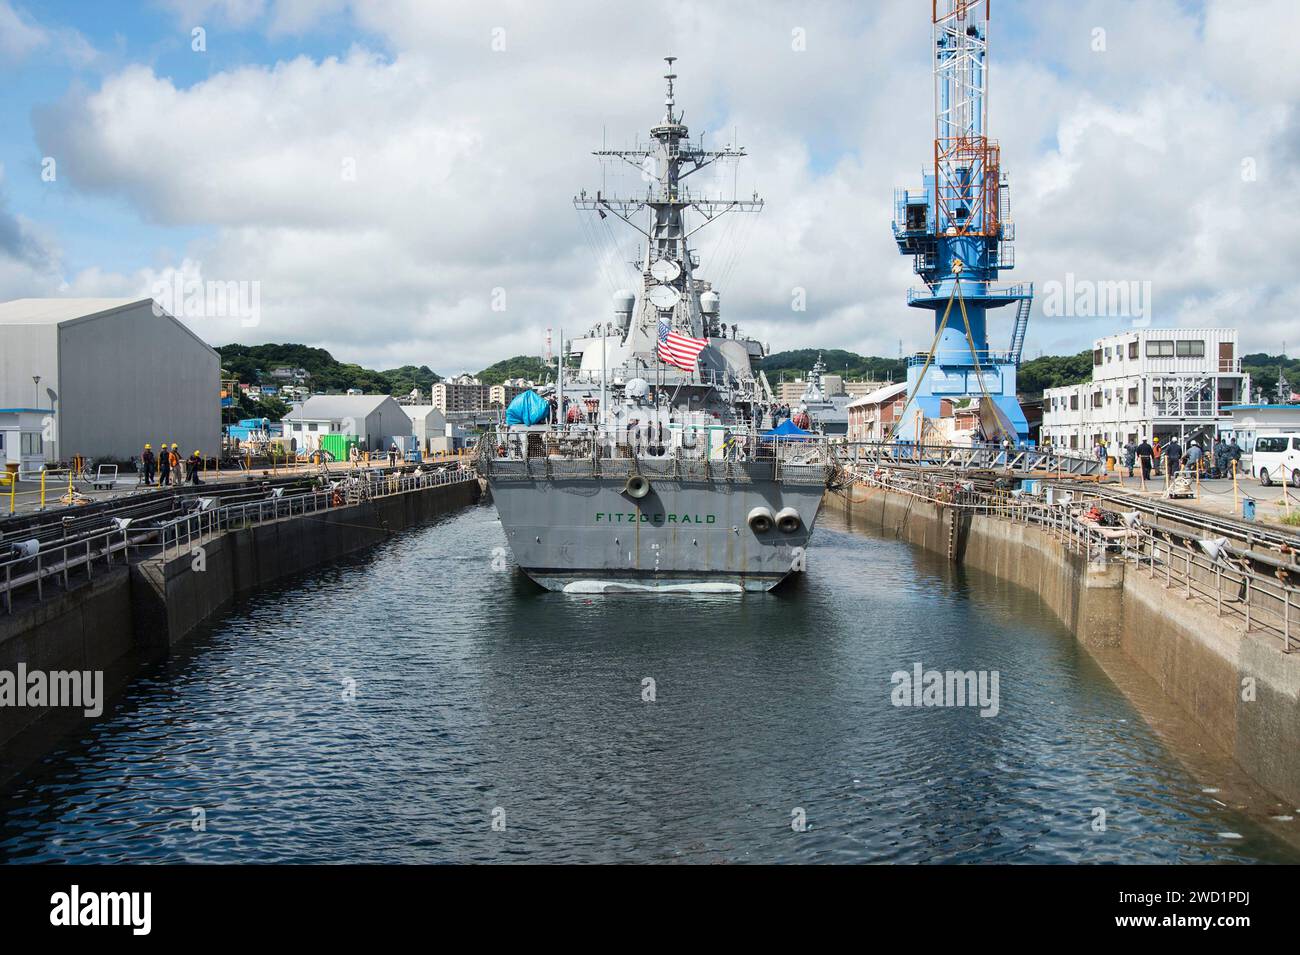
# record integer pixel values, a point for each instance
(788, 429)
(527, 408)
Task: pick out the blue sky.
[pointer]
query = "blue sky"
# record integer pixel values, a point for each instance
(1125, 162)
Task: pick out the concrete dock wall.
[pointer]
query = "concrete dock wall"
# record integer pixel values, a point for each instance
(100, 624)
(1238, 687)
(173, 597)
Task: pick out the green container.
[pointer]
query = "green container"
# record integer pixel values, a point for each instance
(339, 445)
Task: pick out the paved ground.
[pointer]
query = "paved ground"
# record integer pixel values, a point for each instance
(1217, 496)
(27, 495)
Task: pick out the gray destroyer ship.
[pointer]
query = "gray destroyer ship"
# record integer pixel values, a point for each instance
(653, 465)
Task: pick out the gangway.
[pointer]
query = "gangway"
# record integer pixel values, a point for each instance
(1020, 460)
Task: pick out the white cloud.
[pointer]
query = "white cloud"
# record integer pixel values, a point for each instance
(1124, 164)
(19, 36)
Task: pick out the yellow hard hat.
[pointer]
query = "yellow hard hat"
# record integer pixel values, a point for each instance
(175, 445)
(147, 445)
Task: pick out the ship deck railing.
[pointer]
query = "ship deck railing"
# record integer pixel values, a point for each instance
(585, 454)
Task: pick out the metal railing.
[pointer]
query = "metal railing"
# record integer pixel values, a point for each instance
(179, 535)
(578, 451)
(58, 560)
(991, 457)
(1265, 601)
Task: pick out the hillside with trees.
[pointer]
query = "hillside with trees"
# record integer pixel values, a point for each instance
(253, 364)
(1053, 371)
(852, 366)
(521, 366)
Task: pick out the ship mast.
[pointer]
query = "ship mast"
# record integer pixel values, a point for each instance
(670, 291)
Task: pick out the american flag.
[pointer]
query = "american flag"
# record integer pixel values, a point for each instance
(679, 350)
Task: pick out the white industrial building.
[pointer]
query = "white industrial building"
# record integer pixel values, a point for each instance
(428, 425)
(374, 420)
(103, 376)
(1150, 382)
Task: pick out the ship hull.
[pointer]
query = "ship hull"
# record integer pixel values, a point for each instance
(587, 535)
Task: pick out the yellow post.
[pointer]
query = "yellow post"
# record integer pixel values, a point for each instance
(43, 473)
(13, 486)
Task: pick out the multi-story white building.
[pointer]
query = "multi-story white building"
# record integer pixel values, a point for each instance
(1150, 382)
(460, 393)
(499, 396)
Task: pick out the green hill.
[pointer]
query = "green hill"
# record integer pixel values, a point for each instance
(252, 364)
(1263, 370)
(521, 366)
(852, 366)
(1053, 371)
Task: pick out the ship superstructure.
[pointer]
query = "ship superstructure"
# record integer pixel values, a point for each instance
(650, 467)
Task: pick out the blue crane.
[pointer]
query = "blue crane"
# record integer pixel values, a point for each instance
(958, 230)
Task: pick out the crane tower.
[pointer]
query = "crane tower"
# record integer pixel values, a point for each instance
(959, 232)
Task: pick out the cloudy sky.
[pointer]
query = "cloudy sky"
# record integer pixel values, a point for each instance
(397, 175)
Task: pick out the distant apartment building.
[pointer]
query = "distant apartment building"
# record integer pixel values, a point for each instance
(1151, 382)
(856, 389)
(501, 395)
(833, 386)
(460, 393)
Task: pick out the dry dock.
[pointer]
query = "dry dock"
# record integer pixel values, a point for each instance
(1216, 633)
(97, 592)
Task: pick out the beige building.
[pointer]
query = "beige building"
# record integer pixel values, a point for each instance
(789, 392)
(460, 393)
(857, 389)
(501, 395)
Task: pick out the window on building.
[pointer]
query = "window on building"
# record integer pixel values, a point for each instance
(1096, 356)
(1074, 441)
(313, 427)
(1132, 349)
(1191, 348)
(1160, 349)
(31, 443)
(1133, 395)
(1074, 402)
(1096, 399)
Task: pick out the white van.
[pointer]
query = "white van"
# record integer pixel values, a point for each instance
(1276, 458)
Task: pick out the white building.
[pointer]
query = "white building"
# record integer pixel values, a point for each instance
(374, 420)
(460, 393)
(22, 439)
(427, 424)
(1161, 382)
(1252, 421)
(112, 375)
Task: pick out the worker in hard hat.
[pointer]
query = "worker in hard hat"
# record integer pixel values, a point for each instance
(148, 463)
(164, 466)
(195, 464)
(174, 459)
